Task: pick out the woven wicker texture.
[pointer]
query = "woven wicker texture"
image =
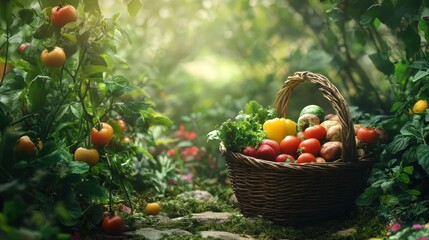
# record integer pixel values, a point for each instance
(294, 194)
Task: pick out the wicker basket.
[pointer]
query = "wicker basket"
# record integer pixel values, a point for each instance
(295, 194)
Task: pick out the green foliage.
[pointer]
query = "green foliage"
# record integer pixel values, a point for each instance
(59, 107)
(246, 129)
(401, 186)
(416, 231)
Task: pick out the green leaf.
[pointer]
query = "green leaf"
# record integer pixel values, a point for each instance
(410, 130)
(389, 200)
(420, 64)
(252, 107)
(424, 28)
(396, 106)
(154, 118)
(382, 63)
(134, 7)
(91, 6)
(26, 15)
(72, 210)
(419, 75)
(94, 69)
(423, 157)
(92, 190)
(408, 170)
(59, 154)
(336, 15)
(386, 185)
(44, 31)
(368, 196)
(376, 23)
(78, 167)
(399, 143)
(117, 86)
(411, 39)
(414, 192)
(404, 178)
(37, 93)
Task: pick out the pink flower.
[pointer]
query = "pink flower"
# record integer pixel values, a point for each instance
(187, 177)
(181, 133)
(190, 151)
(423, 238)
(171, 152)
(396, 227)
(125, 209)
(190, 135)
(189, 154)
(417, 226)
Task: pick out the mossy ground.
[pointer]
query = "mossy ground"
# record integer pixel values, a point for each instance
(366, 222)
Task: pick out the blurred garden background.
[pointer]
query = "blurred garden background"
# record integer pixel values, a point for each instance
(175, 70)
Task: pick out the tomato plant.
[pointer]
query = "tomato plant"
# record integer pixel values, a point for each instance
(57, 106)
(367, 135)
(311, 145)
(61, 15)
(101, 134)
(53, 58)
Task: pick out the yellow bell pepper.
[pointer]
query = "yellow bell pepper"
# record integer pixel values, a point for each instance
(278, 128)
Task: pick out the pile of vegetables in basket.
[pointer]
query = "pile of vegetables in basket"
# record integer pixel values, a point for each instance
(313, 137)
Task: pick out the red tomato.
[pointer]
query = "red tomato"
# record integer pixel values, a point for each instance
(101, 134)
(22, 47)
(306, 158)
(311, 145)
(316, 131)
(122, 125)
(367, 135)
(284, 157)
(60, 16)
(113, 225)
(289, 145)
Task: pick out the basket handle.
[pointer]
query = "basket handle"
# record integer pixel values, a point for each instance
(331, 93)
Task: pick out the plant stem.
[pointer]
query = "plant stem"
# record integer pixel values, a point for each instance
(110, 185)
(7, 52)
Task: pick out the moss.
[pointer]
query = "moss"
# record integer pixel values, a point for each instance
(181, 207)
(366, 222)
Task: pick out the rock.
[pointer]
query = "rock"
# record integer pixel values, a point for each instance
(197, 194)
(233, 199)
(154, 234)
(224, 235)
(208, 217)
(345, 233)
